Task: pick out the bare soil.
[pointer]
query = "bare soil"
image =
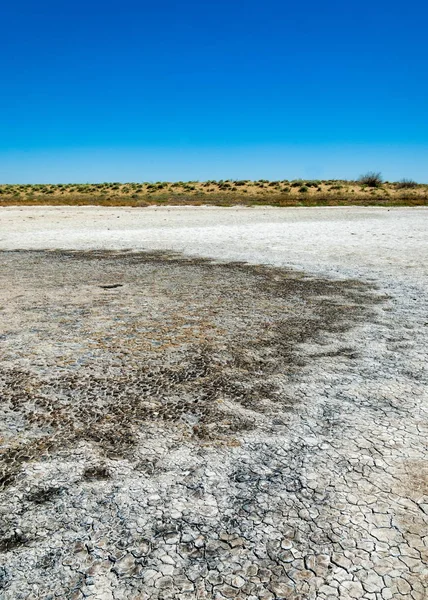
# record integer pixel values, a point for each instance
(177, 427)
(186, 341)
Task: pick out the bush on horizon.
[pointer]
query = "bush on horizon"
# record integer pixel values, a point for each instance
(371, 179)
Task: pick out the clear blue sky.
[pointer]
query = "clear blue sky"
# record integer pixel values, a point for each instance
(138, 90)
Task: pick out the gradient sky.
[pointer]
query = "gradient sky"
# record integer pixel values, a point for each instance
(137, 90)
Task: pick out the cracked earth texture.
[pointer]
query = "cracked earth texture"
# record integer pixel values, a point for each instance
(174, 427)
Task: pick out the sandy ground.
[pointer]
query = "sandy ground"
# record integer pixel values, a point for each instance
(214, 430)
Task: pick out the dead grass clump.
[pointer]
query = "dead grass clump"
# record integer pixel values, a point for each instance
(371, 179)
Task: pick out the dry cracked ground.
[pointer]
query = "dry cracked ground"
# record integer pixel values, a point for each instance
(175, 427)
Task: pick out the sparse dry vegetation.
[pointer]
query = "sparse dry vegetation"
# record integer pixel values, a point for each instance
(369, 189)
(371, 179)
(407, 184)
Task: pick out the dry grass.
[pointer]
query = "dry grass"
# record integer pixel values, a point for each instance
(217, 193)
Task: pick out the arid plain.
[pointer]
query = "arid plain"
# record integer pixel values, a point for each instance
(207, 402)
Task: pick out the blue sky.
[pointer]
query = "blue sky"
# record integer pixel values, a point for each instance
(137, 90)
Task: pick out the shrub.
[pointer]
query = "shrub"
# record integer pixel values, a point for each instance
(406, 184)
(371, 179)
(303, 189)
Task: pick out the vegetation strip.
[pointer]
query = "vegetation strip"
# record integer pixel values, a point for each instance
(370, 189)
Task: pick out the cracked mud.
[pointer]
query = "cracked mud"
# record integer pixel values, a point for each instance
(179, 428)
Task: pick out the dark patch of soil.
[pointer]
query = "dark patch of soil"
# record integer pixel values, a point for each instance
(199, 345)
